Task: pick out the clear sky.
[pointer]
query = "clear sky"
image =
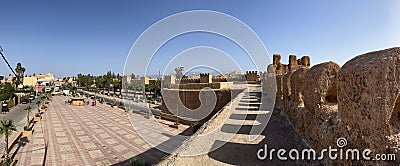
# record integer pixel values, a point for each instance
(75, 36)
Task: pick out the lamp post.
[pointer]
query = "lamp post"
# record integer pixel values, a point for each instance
(37, 86)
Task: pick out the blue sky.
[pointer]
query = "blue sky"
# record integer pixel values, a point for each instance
(70, 37)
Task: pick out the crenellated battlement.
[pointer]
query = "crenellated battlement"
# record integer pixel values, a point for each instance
(252, 76)
(205, 78)
(359, 101)
(294, 64)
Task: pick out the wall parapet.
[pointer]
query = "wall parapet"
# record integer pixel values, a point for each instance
(359, 101)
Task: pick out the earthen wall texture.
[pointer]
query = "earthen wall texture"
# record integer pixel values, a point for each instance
(359, 101)
(190, 100)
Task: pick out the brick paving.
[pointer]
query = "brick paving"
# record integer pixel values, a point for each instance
(87, 135)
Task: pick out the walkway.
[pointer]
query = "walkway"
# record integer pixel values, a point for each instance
(87, 135)
(238, 148)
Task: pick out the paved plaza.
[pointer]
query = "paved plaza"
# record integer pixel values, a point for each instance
(90, 135)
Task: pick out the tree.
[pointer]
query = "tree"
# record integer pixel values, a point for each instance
(154, 86)
(28, 110)
(85, 81)
(20, 72)
(7, 128)
(179, 72)
(74, 90)
(117, 84)
(100, 82)
(6, 91)
(108, 80)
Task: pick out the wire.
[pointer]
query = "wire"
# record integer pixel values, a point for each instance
(9, 66)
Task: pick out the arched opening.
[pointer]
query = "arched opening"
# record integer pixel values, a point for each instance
(331, 95)
(300, 102)
(395, 118)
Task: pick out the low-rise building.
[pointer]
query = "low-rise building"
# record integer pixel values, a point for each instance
(41, 79)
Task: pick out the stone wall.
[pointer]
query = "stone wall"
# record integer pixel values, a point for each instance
(188, 81)
(359, 101)
(190, 100)
(205, 78)
(187, 106)
(368, 95)
(214, 85)
(219, 80)
(251, 76)
(169, 79)
(294, 64)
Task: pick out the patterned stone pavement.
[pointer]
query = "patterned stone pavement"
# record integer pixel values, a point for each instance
(87, 135)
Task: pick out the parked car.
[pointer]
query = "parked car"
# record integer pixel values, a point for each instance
(25, 101)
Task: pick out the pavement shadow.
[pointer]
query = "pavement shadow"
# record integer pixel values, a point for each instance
(154, 155)
(243, 116)
(23, 141)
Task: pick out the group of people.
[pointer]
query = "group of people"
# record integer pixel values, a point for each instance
(69, 101)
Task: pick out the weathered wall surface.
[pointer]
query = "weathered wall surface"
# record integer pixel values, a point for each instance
(214, 85)
(308, 99)
(206, 78)
(190, 100)
(359, 101)
(251, 76)
(279, 92)
(320, 101)
(219, 79)
(368, 95)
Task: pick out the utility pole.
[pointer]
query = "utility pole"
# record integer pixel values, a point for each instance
(8, 64)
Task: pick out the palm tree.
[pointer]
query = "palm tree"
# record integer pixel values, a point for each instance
(20, 72)
(28, 110)
(7, 128)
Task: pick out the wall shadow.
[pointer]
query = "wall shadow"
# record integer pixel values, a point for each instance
(278, 134)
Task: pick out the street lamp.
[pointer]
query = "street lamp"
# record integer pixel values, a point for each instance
(37, 86)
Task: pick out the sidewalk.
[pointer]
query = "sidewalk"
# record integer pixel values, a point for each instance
(31, 150)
